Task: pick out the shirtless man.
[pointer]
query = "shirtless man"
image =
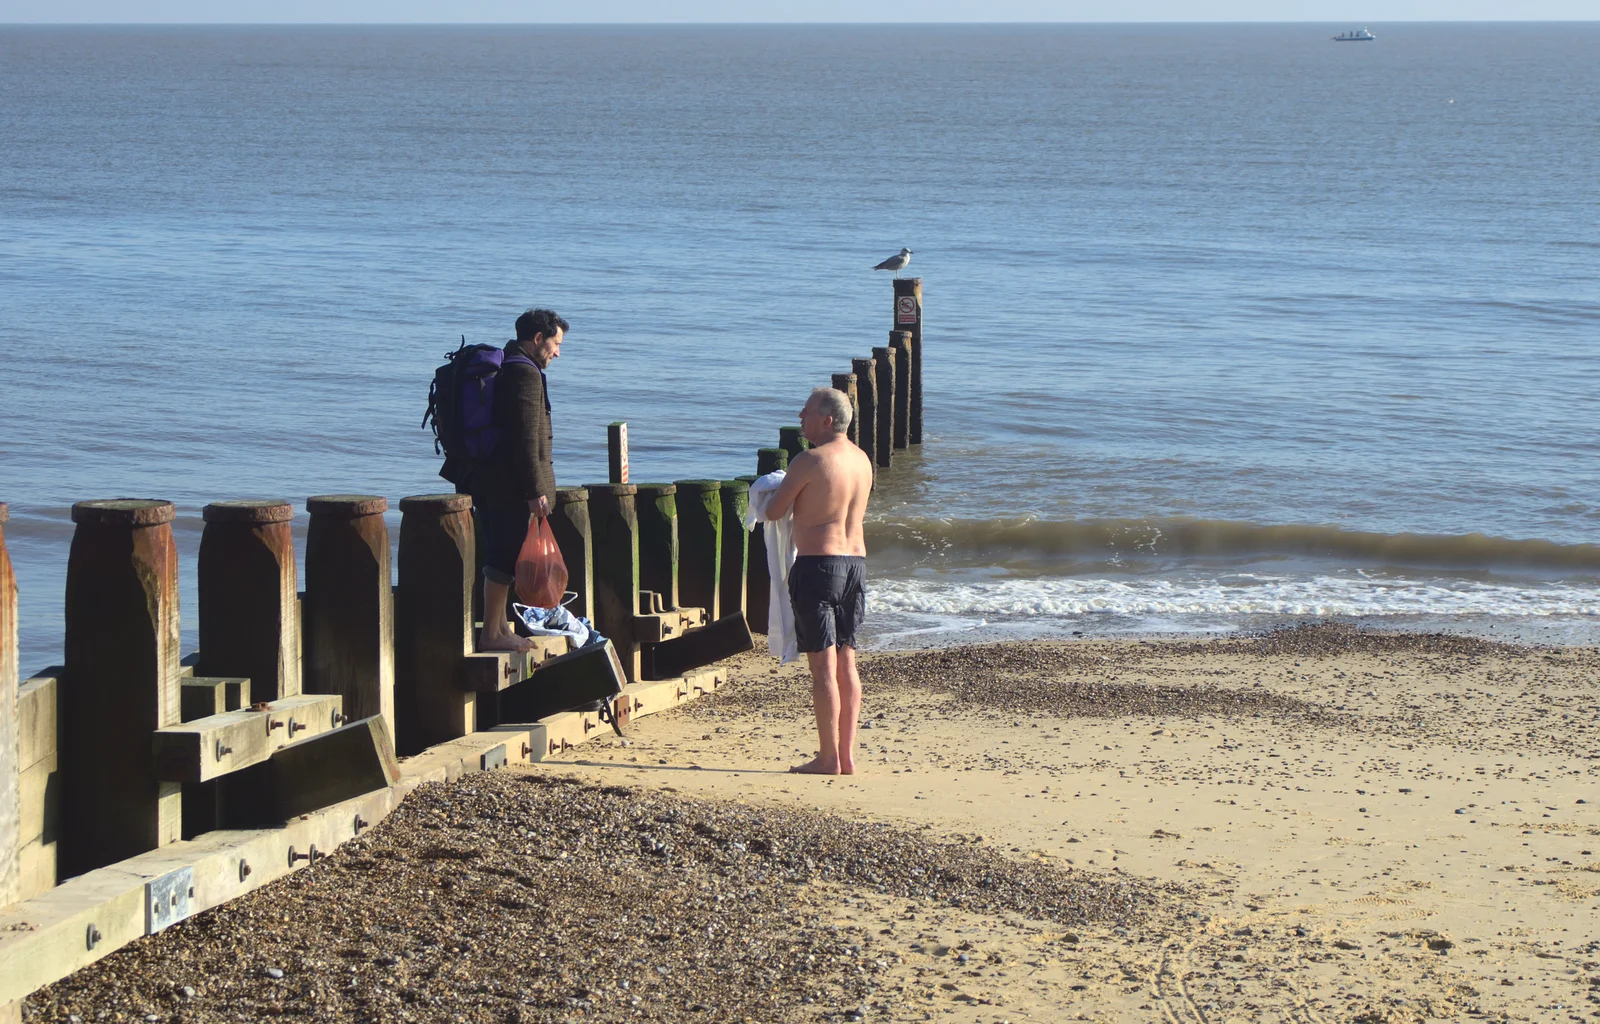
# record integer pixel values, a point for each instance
(827, 487)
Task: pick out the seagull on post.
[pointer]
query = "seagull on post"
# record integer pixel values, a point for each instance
(895, 263)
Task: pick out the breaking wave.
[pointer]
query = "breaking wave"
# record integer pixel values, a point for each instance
(1217, 538)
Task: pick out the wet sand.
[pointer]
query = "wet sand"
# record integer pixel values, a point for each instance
(1318, 825)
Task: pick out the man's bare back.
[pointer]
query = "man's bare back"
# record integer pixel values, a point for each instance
(830, 483)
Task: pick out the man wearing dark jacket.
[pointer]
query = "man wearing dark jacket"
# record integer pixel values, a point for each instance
(518, 479)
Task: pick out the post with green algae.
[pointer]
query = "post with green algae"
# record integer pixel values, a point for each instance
(658, 542)
(348, 614)
(735, 566)
(770, 460)
(758, 583)
(433, 621)
(792, 442)
(700, 545)
(846, 382)
(122, 674)
(866, 374)
(614, 527)
(900, 346)
(883, 437)
(570, 524)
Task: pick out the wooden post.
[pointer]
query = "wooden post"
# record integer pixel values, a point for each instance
(10, 788)
(792, 441)
(249, 604)
(700, 545)
(570, 523)
(770, 460)
(735, 563)
(657, 506)
(846, 382)
(908, 317)
(433, 621)
(614, 525)
(866, 373)
(900, 347)
(617, 451)
(758, 582)
(349, 605)
(883, 440)
(121, 683)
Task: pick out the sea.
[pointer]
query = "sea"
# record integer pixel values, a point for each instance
(1226, 327)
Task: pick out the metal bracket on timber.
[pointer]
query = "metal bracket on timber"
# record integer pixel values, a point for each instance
(722, 639)
(493, 671)
(217, 745)
(665, 625)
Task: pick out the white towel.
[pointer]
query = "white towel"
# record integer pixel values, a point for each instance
(781, 639)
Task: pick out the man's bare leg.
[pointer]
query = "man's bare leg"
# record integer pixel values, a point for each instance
(849, 689)
(496, 634)
(825, 698)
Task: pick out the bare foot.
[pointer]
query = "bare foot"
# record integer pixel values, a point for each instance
(503, 641)
(816, 766)
(847, 767)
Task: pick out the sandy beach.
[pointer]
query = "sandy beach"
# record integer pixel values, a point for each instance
(1315, 825)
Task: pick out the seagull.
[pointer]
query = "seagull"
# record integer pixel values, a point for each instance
(896, 263)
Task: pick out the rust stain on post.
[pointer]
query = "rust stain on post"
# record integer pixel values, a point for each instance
(120, 683)
(349, 605)
(249, 616)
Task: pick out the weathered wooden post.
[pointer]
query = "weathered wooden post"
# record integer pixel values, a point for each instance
(866, 374)
(10, 782)
(348, 618)
(900, 346)
(657, 506)
(883, 439)
(700, 545)
(570, 524)
(846, 382)
(121, 683)
(758, 582)
(433, 621)
(614, 525)
(908, 317)
(792, 441)
(770, 460)
(249, 603)
(735, 563)
(617, 451)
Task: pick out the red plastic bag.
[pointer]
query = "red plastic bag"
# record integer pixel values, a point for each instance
(541, 571)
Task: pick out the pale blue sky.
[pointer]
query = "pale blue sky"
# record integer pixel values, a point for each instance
(592, 11)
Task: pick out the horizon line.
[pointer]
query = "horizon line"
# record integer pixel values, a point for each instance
(768, 24)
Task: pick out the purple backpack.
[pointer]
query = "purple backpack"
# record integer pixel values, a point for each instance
(461, 406)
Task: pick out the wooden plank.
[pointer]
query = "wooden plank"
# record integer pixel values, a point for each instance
(38, 868)
(589, 674)
(204, 696)
(348, 610)
(208, 748)
(36, 718)
(493, 671)
(40, 802)
(433, 621)
(720, 640)
(659, 626)
(335, 766)
(249, 596)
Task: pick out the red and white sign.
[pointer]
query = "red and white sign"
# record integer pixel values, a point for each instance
(905, 309)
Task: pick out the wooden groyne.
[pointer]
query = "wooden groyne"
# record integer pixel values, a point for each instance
(139, 786)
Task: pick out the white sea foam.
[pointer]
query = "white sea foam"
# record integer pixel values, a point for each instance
(1232, 596)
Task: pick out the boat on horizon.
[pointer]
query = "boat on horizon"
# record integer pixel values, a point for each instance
(1362, 36)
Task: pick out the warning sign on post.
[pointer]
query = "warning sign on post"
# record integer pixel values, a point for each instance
(905, 310)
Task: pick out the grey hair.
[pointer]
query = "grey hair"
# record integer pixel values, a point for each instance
(835, 403)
